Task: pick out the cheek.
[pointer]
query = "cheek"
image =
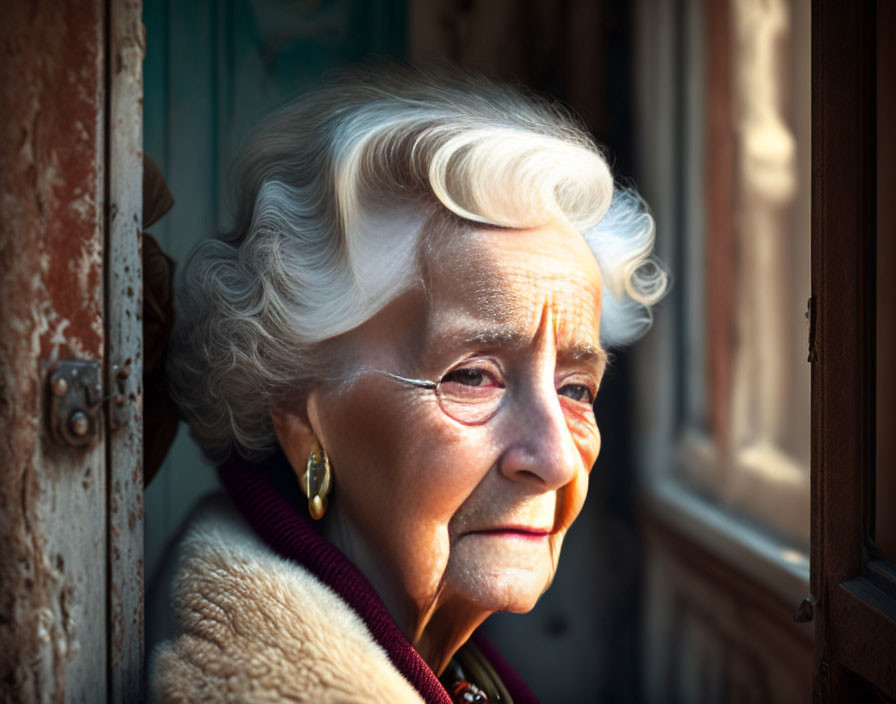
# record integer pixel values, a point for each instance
(570, 500)
(436, 467)
(401, 473)
(586, 437)
(571, 497)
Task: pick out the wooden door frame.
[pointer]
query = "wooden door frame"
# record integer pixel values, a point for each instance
(855, 588)
(71, 518)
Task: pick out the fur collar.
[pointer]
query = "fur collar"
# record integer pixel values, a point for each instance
(254, 627)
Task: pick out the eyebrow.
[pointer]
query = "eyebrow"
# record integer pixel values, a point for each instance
(506, 336)
(593, 354)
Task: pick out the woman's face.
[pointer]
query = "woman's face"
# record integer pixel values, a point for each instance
(475, 512)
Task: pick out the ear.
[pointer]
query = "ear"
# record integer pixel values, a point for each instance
(296, 431)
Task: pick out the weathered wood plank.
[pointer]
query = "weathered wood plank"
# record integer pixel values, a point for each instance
(52, 498)
(124, 286)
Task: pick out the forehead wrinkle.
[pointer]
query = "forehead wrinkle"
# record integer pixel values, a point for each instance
(509, 307)
(580, 351)
(493, 302)
(493, 294)
(495, 315)
(472, 331)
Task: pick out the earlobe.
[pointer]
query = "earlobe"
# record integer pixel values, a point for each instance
(295, 436)
(298, 431)
(298, 438)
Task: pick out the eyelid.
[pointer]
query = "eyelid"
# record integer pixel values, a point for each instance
(579, 376)
(486, 365)
(580, 379)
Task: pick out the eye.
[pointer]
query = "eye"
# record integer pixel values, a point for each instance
(473, 393)
(580, 391)
(471, 376)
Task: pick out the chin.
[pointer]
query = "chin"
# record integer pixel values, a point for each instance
(512, 589)
(523, 604)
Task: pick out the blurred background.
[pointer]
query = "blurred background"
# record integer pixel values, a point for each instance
(679, 581)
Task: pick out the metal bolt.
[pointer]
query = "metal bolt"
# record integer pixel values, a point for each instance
(805, 611)
(123, 373)
(79, 423)
(60, 386)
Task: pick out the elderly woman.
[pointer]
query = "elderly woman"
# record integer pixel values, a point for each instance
(407, 324)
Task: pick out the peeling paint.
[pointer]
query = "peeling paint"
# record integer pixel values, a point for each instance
(44, 625)
(52, 613)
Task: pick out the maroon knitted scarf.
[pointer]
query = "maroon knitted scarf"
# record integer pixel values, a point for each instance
(270, 502)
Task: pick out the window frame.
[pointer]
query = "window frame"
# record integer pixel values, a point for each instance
(669, 501)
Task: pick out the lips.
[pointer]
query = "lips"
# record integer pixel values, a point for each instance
(525, 532)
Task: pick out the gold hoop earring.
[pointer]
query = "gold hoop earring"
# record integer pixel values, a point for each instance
(315, 483)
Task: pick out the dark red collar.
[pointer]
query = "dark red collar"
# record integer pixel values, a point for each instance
(270, 501)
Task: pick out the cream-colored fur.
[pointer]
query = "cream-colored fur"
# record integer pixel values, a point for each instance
(255, 627)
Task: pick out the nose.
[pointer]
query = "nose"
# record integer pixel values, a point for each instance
(539, 448)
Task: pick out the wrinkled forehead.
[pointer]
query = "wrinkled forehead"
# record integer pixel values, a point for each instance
(513, 279)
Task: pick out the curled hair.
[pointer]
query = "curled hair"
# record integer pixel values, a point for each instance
(334, 192)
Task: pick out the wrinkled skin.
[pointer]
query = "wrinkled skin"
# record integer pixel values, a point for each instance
(452, 522)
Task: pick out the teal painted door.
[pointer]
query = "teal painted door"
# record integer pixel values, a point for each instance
(212, 70)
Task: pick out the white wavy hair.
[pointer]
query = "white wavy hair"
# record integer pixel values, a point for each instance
(334, 193)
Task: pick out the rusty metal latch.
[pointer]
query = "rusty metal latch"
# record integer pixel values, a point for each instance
(76, 397)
